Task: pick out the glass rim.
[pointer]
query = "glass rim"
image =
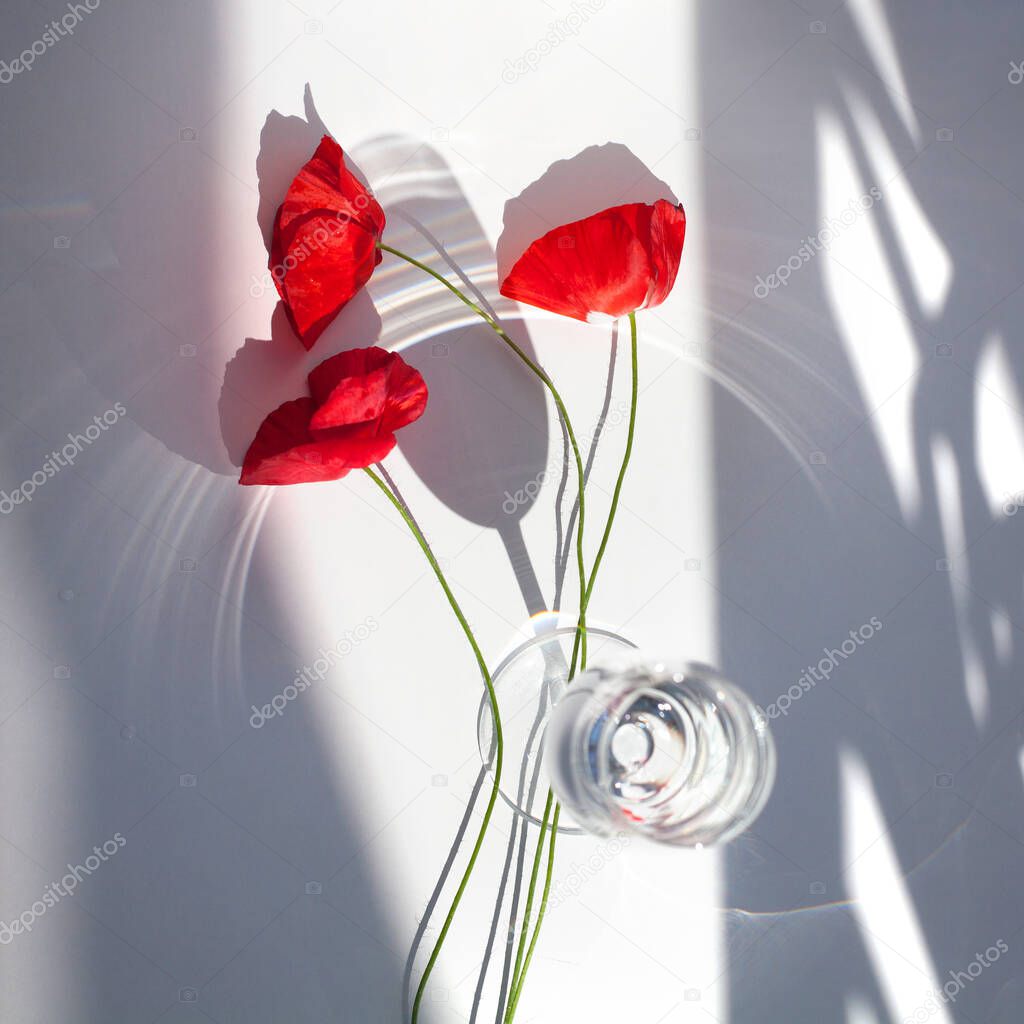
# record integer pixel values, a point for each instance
(484, 713)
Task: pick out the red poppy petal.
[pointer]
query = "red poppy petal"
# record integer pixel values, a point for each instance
(324, 243)
(610, 264)
(350, 387)
(285, 451)
(668, 232)
(365, 384)
(407, 395)
(590, 266)
(360, 400)
(324, 270)
(326, 184)
(352, 363)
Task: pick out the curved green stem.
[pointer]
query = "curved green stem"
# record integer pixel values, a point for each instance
(524, 954)
(517, 989)
(533, 888)
(498, 738)
(580, 640)
(519, 976)
(627, 455)
(541, 375)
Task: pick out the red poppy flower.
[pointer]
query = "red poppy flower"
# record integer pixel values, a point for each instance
(324, 246)
(606, 265)
(359, 399)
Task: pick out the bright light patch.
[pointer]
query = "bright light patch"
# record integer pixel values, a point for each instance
(859, 1012)
(951, 516)
(890, 929)
(999, 436)
(1002, 637)
(878, 336)
(926, 258)
(870, 18)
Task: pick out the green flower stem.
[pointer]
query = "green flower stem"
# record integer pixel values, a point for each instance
(498, 738)
(519, 976)
(581, 626)
(532, 890)
(580, 640)
(518, 988)
(627, 455)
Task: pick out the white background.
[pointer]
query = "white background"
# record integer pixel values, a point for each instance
(847, 447)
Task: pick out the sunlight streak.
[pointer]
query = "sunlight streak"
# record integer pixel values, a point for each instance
(924, 255)
(859, 1012)
(878, 336)
(999, 437)
(949, 496)
(874, 27)
(883, 907)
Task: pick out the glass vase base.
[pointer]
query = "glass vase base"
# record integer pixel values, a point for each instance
(527, 684)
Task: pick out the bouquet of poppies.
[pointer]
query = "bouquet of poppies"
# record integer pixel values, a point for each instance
(327, 241)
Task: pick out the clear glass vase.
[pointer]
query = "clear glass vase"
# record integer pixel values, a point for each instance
(669, 751)
(672, 752)
(528, 683)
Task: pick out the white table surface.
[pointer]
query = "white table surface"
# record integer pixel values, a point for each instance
(847, 448)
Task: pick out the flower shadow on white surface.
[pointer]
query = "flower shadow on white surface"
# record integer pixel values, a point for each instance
(161, 660)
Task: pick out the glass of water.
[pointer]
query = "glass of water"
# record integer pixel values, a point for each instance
(669, 751)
